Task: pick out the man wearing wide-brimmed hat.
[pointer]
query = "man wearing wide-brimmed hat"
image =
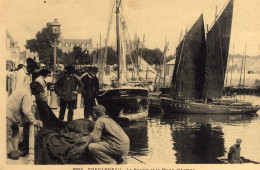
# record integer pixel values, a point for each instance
(67, 88)
(234, 153)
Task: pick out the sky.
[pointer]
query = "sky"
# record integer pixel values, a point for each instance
(159, 20)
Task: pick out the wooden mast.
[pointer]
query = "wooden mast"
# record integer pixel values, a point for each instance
(104, 59)
(164, 61)
(232, 68)
(118, 35)
(244, 68)
(241, 72)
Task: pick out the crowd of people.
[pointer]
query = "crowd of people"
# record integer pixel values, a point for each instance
(28, 83)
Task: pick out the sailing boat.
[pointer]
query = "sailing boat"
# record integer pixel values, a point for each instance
(241, 88)
(199, 72)
(124, 103)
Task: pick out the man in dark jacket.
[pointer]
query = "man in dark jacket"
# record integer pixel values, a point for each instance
(234, 153)
(67, 88)
(110, 141)
(90, 90)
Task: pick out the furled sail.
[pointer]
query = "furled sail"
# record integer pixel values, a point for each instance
(122, 59)
(218, 39)
(188, 74)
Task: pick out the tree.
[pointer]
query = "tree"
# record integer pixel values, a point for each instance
(76, 57)
(68, 59)
(111, 55)
(80, 55)
(43, 45)
(169, 58)
(151, 56)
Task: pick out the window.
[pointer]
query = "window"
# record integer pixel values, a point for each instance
(71, 45)
(82, 45)
(13, 55)
(66, 44)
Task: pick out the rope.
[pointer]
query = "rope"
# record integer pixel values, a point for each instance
(219, 15)
(221, 52)
(135, 157)
(104, 59)
(103, 93)
(179, 65)
(127, 30)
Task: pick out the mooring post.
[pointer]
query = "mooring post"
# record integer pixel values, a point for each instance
(31, 145)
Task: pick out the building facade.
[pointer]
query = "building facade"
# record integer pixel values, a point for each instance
(169, 67)
(12, 52)
(67, 45)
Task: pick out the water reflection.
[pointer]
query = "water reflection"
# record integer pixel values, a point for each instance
(198, 138)
(137, 134)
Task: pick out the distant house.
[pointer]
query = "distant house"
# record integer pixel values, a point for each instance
(169, 67)
(130, 46)
(12, 52)
(67, 45)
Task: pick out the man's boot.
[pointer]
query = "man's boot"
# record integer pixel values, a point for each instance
(13, 155)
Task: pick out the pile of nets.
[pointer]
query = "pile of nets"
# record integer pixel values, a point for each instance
(59, 142)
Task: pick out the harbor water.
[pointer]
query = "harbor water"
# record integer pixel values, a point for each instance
(168, 138)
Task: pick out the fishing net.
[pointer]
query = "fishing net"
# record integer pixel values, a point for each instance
(59, 142)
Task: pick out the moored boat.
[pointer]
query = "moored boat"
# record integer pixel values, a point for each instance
(123, 102)
(199, 72)
(193, 107)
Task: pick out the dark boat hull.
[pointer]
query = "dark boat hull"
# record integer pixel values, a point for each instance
(125, 104)
(238, 91)
(173, 106)
(154, 103)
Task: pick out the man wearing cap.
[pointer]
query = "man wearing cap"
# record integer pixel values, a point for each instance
(90, 90)
(67, 88)
(24, 75)
(20, 110)
(234, 153)
(110, 141)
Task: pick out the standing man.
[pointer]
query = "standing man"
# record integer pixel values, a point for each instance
(20, 108)
(67, 88)
(24, 75)
(23, 80)
(14, 76)
(110, 141)
(90, 90)
(234, 153)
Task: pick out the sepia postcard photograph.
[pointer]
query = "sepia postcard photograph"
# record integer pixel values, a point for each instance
(130, 84)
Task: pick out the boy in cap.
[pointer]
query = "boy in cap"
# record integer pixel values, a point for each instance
(110, 140)
(234, 153)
